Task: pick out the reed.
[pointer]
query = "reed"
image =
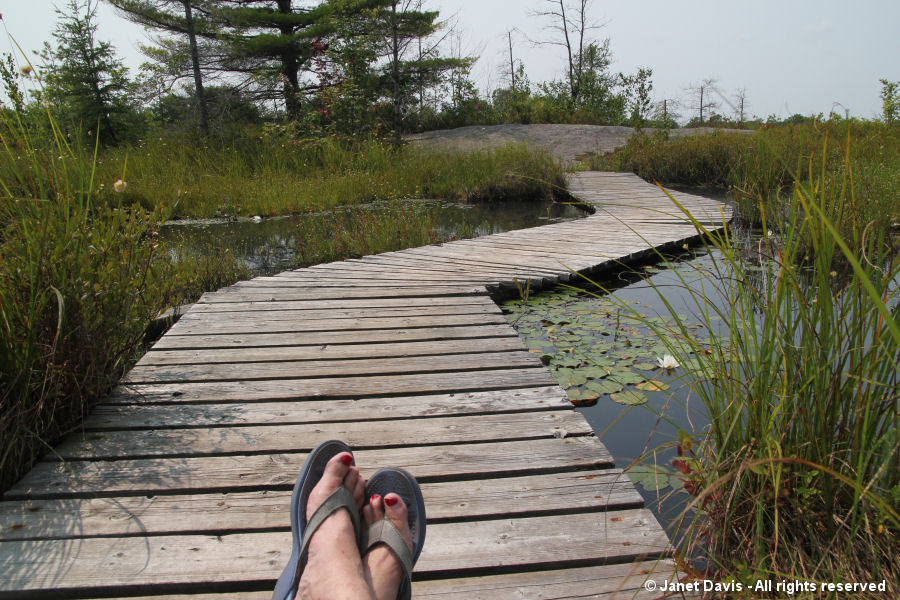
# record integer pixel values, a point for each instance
(81, 277)
(798, 473)
(271, 175)
(761, 169)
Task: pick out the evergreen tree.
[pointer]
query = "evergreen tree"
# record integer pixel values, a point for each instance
(177, 17)
(383, 54)
(83, 76)
(402, 23)
(278, 40)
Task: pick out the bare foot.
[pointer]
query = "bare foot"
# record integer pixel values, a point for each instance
(333, 566)
(383, 570)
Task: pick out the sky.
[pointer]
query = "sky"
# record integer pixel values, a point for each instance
(791, 56)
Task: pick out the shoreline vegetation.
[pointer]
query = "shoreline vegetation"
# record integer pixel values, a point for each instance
(798, 474)
(858, 162)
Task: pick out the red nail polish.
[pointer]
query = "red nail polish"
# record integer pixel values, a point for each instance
(390, 501)
(347, 459)
(374, 498)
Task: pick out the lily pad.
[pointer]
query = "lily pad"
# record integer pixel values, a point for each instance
(625, 376)
(579, 396)
(629, 397)
(652, 385)
(538, 344)
(653, 477)
(604, 386)
(594, 372)
(567, 360)
(645, 366)
(570, 378)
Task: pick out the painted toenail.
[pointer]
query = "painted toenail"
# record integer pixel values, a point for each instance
(347, 459)
(374, 498)
(390, 501)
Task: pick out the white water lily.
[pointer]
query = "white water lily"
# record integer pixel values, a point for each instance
(667, 362)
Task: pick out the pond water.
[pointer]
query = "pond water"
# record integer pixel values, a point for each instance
(609, 362)
(270, 245)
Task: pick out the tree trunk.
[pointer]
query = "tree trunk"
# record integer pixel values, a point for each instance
(512, 68)
(289, 67)
(395, 70)
(702, 89)
(195, 60)
(573, 83)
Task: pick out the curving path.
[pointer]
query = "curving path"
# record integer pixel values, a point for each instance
(179, 485)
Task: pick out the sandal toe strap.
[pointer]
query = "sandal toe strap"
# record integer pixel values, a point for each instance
(384, 532)
(339, 498)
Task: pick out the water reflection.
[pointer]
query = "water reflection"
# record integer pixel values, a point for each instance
(270, 245)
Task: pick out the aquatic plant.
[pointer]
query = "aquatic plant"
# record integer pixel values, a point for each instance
(798, 474)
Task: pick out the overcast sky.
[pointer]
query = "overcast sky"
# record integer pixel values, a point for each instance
(791, 56)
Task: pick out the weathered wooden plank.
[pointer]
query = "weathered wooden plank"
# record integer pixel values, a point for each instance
(247, 294)
(461, 255)
(327, 279)
(607, 582)
(331, 387)
(256, 324)
(522, 271)
(331, 368)
(134, 477)
(327, 352)
(544, 541)
(215, 441)
(257, 340)
(130, 416)
(601, 582)
(260, 284)
(341, 304)
(300, 314)
(521, 543)
(234, 512)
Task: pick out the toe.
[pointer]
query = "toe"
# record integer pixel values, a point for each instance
(395, 511)
(376, 508)
(354, 482)
(336, 470)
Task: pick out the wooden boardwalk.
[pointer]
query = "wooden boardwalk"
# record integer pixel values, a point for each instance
(180, 484)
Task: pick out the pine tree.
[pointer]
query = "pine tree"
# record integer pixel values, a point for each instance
(278, 40)
(176, 17)
(83, 76)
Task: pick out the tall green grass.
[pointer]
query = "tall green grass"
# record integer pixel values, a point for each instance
(798, 474)
(367, 230)
(268, 174)
(761, 169)
(81, 276)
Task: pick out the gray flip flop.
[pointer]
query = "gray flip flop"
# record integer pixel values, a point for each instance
(303, 530)
(404, 485)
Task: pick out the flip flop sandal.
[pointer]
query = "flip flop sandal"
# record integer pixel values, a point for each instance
(383, 531)
(303, 530)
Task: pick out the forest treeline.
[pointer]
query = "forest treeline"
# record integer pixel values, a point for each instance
(356, 68)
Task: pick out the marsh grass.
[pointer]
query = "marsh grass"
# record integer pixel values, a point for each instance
(762, 169)
(798, 473)
(366, 230)
(269, 175)
(80, 279)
